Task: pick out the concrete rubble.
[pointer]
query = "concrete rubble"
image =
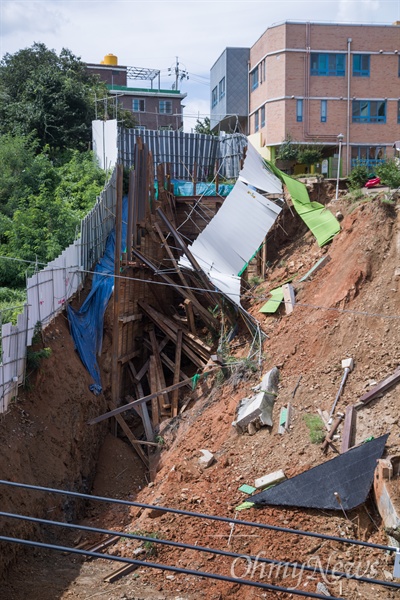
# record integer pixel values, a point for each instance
(256, 411)
(206, 459)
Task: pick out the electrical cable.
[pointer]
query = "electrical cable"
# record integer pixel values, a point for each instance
(142, 563)
(198, 548)
(341, 540)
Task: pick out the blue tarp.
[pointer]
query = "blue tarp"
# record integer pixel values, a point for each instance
(186, 188)
(86, 324)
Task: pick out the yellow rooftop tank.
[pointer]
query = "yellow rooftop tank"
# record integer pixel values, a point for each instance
(110, 59)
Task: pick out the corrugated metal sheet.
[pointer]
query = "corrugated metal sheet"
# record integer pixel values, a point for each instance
(182, 150)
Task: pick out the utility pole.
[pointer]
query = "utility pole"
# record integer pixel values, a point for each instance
(180, 74)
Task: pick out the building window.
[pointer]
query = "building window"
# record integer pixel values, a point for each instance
(262, 70)
(367, 155)
(138, 105)
(222, 88)
(399, 65)
(398, 111)
(214, 97)
(263, 116)
(369, 111)
(361, 65)
(324, 110)
(165, 107)
(327, 64)
(256, 121)
(254, 78)
(299, 111)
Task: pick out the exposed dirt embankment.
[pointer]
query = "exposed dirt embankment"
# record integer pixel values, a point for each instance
(45, 440)
(349, 308)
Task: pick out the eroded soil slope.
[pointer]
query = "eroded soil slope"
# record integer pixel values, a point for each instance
(349, 308)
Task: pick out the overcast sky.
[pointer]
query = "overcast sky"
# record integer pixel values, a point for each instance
(152, 33)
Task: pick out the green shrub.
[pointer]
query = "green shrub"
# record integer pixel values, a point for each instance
(34, 358)
(316, 428)
(389, 172)
(358, 176)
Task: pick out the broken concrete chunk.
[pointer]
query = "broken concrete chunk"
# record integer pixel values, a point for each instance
(270, 479)
(322, 589)
(257, 409)
(347, 363)
(207, 459)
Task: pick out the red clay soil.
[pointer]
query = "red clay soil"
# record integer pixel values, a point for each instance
(349, 308)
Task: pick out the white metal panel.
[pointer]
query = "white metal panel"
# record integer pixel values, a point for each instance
(233, 236)
(255, 173)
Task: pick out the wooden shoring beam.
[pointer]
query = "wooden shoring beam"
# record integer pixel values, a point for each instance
(178, 354)
(141, 409)
(171, 366)
(150, 181)
(194, 178)
(130, 236)
(115, 365)
(153, 383)
(179, 240)
(134, 403)
(194, 353)
(188, 304)
(381, 387)
(329, 437)
(206, 316)
(137, 447)
(158, 363)
(171, 256)
(165, 196)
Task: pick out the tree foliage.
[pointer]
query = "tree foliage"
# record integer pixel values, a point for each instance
(39, 218)
(389, 172)
(302, 154)
(204, 126)
(49, 96)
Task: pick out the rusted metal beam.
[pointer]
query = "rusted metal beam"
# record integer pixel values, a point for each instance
(348, 429)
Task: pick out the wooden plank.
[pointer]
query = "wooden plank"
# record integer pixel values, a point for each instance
(115, 372)
(154, 316)
(125, 570)
(127, 357)
(381, 387)
(194, 342)
(136, 446)
(171, 366)
(130, 405)
(348, 429)
(156, 353)
(155, 405)
(204, 313)
(106, 543)
(178, 354)
(288, 297)
(331, 433)
(190, 315)
(141, 409)
(179, 240)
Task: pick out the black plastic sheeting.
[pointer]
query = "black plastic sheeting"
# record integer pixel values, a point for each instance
(350, 475)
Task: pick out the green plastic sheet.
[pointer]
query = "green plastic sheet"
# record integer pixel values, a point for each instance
(318, 219)
(274, 302)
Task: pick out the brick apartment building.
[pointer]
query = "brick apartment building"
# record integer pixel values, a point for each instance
(314, 81)
(153, 108)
